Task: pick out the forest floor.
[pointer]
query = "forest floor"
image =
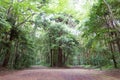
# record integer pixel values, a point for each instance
(38, 73)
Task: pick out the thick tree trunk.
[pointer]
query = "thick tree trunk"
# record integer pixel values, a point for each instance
(60, 57)
(6, 59)
(118, 44)
(63, 59)
(117, 41)
(114, 61)
(113, 55)
(8, 53)
(16, 54)
(51, 61)
(110, 21)
(60, 54)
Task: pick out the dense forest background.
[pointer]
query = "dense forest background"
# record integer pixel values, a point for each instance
(59, 33)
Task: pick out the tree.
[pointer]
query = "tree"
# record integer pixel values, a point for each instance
(15, 24)
(102, 27)
(60, 41)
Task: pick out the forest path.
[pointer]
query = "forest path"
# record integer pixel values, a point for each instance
(60, 74)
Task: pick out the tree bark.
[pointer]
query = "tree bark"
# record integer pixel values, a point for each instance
(60, 57)
(51, 61)
(6, 59)
(112, 47)
(8, 52)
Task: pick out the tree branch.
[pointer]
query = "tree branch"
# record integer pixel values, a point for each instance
(24, 20)
(112, 16)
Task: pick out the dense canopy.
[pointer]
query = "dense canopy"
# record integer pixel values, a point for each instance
(59, 33)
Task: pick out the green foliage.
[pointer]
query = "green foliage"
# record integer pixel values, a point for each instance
(45, 32)
(55, 37)
(97, 34)
(17, 48)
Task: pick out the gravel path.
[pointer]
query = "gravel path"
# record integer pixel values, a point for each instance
(58, 74)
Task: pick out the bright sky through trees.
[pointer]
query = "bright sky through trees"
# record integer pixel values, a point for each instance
(77, 8)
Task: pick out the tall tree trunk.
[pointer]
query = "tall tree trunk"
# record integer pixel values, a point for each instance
(6, 59)
(8, 52)
(16, 54)
(63, 54)
(51, 61)
(114, 61)
(112, 47)
(60, 57)
(111, 23)
(117, 41)
(7, 55)
(113, 56)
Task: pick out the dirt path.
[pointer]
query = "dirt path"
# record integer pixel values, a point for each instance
(60, 74)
